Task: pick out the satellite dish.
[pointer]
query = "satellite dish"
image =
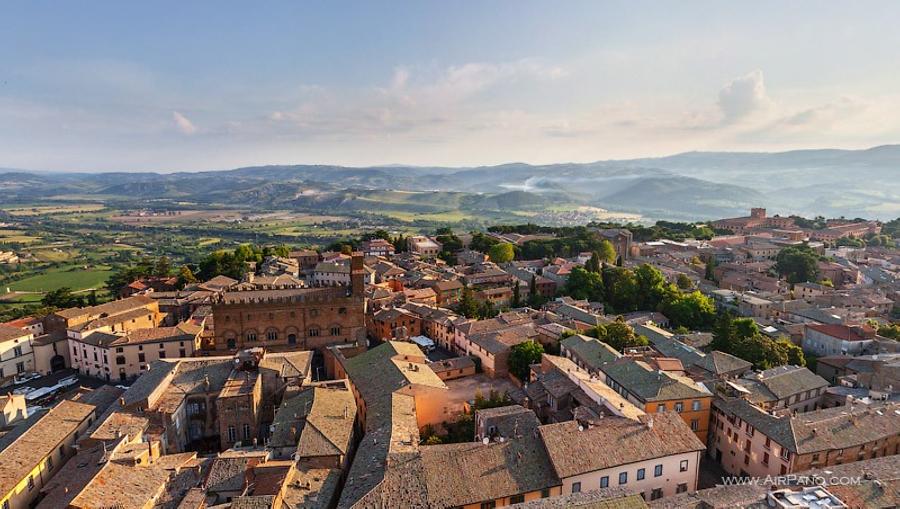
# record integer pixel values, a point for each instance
(485, 440)
(580, 427)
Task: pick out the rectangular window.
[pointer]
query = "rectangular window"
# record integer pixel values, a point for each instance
(656, 494)
(657, 470)
(545, 492)
(517, 499)
(120, 359)
(162, 354)
(695, 405)
(683, 466)
(679, 407)
(142, 357)
(682, 487)
(489, 505)
(641, 473)
(661, 407)
(604, 481)
(576, 487)
(17, 351)
(246, 432)
(182, 352)
(695, 424)
(623, 478)
(231, 434)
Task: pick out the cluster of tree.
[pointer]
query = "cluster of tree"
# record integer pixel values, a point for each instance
(481, 242)
(137, 269)
(234, 263)
(502, 252)
(580, 240)
(798, 264)
(891, 228)
(661, 230)
(644, 288)
(617, 334)
(890, 331)
(14, 313)
(63, 298)
(450, 244)
(470, 307)
(522, 356)
(741, 337)
(816, 223)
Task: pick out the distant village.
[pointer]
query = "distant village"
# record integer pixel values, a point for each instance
(454, 371)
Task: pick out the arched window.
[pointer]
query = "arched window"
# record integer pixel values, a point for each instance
(251, 335)
(313, 332)
(292, 339)
(335, 330)
(271, 334)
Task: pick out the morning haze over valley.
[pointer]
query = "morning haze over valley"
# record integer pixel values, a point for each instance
(365, 255)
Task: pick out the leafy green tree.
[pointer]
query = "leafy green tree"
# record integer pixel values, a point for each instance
(606, 252)
(618, 335)
(502, 252)
(163, 267)
(582, 284)
(651, 286)
(517, 295)
(891, 331)
(594, 264)
(622, 289)
(486, 309)
(692, 310)
(798, 264)
(742, 338)
(522, 356)
(794, 353)
(467, 306)
(710, 274)
(683, 282)
(186, 276)
(62, 298)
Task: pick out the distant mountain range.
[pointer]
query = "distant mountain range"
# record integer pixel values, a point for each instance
(693, 185)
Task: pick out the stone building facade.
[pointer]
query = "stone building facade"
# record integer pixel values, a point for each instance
(292, 318)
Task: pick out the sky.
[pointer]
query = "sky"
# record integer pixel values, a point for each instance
(166, 86)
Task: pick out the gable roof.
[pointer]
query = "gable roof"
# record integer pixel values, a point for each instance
(649, 385)
(615, 441)
(591, 351)
(468, 473)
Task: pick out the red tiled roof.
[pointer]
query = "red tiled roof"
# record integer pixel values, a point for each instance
(844, 332)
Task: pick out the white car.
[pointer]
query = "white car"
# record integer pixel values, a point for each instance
(22, 378)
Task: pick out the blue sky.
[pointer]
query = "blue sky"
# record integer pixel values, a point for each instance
(203, 85)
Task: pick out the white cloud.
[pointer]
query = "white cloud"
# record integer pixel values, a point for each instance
(744, 98)
(183, 124)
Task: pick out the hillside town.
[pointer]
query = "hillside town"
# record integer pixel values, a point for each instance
(755, 365)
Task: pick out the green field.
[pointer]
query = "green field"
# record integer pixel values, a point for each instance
(76, 279)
